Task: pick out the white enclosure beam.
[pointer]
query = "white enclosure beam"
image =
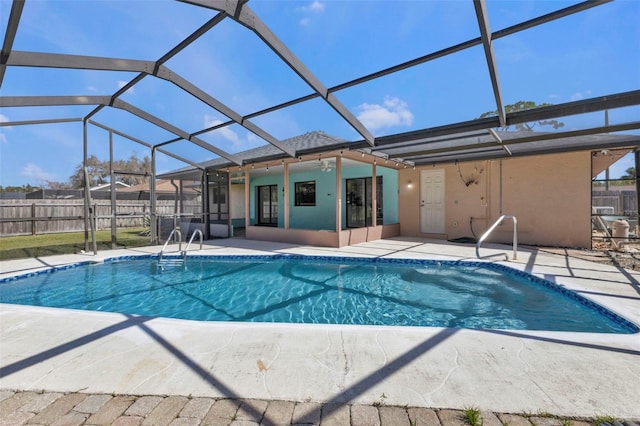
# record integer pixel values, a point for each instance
(245, 16)
(251, 21)
(173, 129)
(166, 74)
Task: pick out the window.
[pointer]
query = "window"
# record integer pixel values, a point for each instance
(306, 193)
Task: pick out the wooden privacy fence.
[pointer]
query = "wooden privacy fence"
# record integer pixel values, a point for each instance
(18, 217)
(621, 202)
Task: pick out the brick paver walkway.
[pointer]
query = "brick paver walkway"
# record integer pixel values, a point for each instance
(74, 409)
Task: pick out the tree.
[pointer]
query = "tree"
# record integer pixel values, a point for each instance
(523, 106)
(630, 173)
(24, 188)
(99, 172)
(50, 184)
(133, 164)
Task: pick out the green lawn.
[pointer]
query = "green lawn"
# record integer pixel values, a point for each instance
(24, 246)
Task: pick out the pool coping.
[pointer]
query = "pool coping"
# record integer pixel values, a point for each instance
(498, 370)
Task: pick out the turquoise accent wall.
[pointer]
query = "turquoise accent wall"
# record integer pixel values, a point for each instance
(390, 189)
(322, 215)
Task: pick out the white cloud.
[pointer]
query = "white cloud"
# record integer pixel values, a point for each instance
(317, 6)
(393, 112)
(224, 132)
(314, 8)
(34, 171)
(580, 95)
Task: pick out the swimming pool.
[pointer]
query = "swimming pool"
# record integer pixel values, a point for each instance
(319, 290)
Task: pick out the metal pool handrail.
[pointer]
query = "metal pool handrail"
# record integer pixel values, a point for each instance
(198, 232)
(175, 230)
(515, 235)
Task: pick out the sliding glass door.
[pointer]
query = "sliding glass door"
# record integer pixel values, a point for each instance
(359, 202)
(268, 205)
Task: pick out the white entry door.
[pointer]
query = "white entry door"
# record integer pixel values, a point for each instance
(432, 201)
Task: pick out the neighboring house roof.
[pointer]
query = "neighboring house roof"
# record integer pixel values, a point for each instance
(107, 186)
(162, 186)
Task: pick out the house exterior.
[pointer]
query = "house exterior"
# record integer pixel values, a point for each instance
(550, 195)
(338, 197)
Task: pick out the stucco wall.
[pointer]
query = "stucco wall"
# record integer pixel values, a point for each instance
(549, 194)
(237, 201)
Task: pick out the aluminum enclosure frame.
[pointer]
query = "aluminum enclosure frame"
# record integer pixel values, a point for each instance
(440, 144)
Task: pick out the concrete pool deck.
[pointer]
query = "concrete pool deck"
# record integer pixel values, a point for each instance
(512, 371)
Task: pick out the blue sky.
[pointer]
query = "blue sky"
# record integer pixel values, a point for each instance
(593, 53)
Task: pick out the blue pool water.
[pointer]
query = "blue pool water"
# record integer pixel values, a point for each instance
(298, 289)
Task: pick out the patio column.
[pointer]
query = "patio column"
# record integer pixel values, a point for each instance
(247, 189)
(374, 198)
(338, 195)
(285, 190)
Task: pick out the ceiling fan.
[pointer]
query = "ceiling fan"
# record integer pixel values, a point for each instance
(326, 165)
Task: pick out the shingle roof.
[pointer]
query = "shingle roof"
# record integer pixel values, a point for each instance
(310, 141)
(478, 145)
